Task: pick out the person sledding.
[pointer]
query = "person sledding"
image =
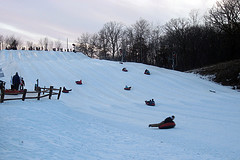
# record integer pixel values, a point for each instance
(150, 102)
(66, 90)
(167, 123)
(79, 82)
(124, 70)
(147, 72)
(127, 88)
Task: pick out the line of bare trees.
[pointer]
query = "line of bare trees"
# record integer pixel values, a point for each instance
(182, 43)
(13, 43)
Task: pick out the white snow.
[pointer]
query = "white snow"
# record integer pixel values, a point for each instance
(99, 120)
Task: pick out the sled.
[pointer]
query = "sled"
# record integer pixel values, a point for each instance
(167, 125)
(127, 88)
(79, 82)
(12, 92)
(124, 70)
(147, 73)
(66, 91)
(150, 104)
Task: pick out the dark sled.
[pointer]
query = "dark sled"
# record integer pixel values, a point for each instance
(127, 88)
(124, 70)
(167, 125)
(66, 90)
(12, 92)
(150, 103)
(147, 73)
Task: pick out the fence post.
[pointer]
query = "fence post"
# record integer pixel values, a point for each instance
(2, 95)
(59, 93)
(50, 92)
(39, 93)
(24, 94)
(44, 88)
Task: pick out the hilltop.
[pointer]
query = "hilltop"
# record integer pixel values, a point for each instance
(227, 73)
(100, 120)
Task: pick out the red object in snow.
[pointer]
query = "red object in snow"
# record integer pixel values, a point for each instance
(150, 103)
(12, 92)
(127, 88)
(65, 91)
(79, 82)
(167, 125)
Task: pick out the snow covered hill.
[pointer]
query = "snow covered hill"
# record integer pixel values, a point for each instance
(99, 120)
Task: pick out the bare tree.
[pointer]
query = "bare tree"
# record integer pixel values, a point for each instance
(155, 44)
(93, 48)
(178, 25)
(194, 17)
(41, 44)
(50, 45)
(141, 28)
(30, 45)
(45, 43)
(141, 31)
(225, 16)
(176, 35)
(58, 45)
(104, 43)
(128, 38)
(83, 43)
(113, 33)
(1, 42)
(12, 42)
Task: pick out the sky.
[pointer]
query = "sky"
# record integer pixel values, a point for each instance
(32, 20)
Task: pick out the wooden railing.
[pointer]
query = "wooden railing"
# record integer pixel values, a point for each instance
(41, 92)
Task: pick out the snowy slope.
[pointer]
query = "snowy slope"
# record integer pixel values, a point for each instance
(99, 120)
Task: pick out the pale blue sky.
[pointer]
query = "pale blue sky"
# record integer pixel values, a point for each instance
(61, 19)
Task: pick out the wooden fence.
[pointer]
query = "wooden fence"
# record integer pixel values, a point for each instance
(41, 92)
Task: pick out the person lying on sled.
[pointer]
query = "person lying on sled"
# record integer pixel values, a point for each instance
(151, 102)
(167, 120)
(127, 88)
(124, 69)
(146, 72)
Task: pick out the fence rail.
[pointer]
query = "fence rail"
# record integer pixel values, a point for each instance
(39, 91)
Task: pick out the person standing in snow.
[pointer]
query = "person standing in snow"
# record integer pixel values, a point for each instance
(16, 81)
(167, 120)
(22, 84)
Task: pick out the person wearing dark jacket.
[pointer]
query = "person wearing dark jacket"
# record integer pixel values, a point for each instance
(16, 81)
(167, 120)
(150, 103)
